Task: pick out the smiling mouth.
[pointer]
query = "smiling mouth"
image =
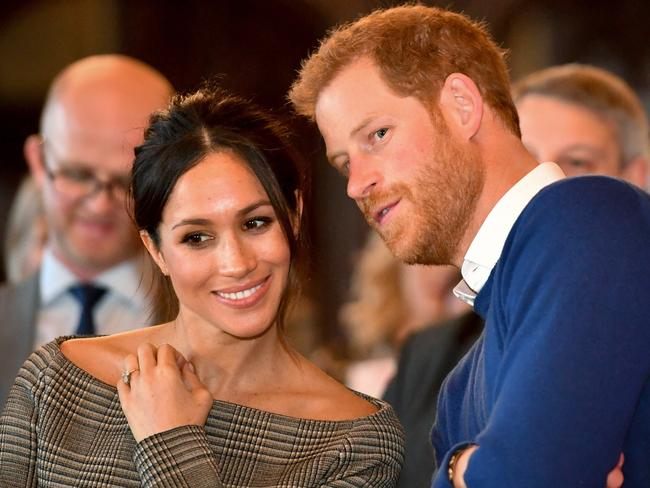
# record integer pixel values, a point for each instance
(240, 295)
(96, 227)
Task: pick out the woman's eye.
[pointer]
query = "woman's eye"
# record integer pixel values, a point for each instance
(257, 223)
(195, 239)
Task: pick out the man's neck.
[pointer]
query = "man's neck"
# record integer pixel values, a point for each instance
(505, 162)
(83, 271)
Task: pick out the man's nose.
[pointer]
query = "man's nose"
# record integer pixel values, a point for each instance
(363, 177)
(102, 198)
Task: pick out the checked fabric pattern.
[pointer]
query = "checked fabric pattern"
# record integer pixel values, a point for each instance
(63, 427)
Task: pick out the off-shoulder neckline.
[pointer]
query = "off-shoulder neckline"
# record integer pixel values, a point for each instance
(382, 406)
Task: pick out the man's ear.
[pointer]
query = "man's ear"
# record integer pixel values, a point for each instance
(462, 104)
(33, 152)
(636, 172)
(154, 251)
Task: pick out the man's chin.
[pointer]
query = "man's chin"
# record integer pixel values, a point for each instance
(410, 251)
(399, 246)
(97, 262)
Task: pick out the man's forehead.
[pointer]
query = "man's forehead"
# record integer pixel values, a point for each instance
(346, 105)
(71, 128)
(351, 80)
(86, 140)
(100, 154)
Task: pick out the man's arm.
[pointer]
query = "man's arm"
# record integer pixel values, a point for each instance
(572, 342)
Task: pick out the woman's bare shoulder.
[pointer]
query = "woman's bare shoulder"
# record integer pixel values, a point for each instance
(103, 357)
(333, 400)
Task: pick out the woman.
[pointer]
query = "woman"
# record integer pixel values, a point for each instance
(214, 397)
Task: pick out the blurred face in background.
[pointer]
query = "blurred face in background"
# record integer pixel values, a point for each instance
(571, 135)
(81, 163)
(90, 228)
(427, 294)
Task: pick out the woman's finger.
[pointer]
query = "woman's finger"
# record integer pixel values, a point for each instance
(129, 369)
(146, 356)
(180, 359)
(123, 390)
(189, 377)
(166, 355)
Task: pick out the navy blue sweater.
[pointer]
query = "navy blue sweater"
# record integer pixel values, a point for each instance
(557, 386)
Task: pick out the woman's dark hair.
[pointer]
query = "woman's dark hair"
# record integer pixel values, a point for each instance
(203, 122)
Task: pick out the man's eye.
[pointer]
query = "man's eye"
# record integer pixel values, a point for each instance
(257, 223)
(579, 163)
(573, 166)
(195, 239)
(122, 183)
(77, 174)
(381, 133)
(344, 169)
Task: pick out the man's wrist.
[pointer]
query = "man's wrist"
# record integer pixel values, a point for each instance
(451, 466)
(457, 465)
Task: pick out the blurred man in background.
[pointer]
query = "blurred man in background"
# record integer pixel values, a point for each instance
(93, 277)
(586, 119)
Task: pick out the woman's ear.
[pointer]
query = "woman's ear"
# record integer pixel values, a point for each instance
(154, 251)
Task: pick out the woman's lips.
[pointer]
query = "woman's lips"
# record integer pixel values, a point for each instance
(244, 296)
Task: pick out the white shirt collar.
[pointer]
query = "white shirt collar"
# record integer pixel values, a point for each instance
(486, 247)
(125, 280)
(54, 279)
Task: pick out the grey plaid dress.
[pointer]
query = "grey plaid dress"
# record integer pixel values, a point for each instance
(63, 427)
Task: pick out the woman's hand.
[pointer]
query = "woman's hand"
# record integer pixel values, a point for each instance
(163, 392)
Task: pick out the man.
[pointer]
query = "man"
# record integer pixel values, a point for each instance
(585, 119)
(93, 117)
(414, 106)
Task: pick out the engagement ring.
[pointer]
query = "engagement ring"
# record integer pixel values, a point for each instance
(126, 375)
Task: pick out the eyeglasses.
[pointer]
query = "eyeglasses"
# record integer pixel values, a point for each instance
(80, 182)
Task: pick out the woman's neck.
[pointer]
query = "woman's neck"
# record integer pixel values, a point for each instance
(229, 366)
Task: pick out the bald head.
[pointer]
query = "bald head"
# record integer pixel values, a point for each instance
(95, 114)
(100, 92)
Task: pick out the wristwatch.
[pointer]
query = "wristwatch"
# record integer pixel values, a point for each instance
(452, 464)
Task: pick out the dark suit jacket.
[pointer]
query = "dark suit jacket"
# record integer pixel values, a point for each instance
(19, 306)
(426, 359)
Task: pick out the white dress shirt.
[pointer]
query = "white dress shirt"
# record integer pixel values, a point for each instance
(125, 305)
(486, 247)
